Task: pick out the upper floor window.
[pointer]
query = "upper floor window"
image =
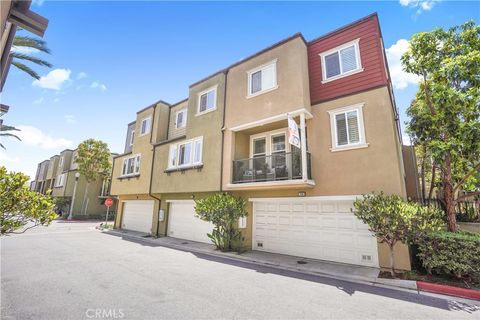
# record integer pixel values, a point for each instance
(341, 61)
(186, 153)
(207, 100)
(347, 128)
(132, 136)
(145, 126)
(60, 180)
(181, 119)
(262, 79)
(131, 165)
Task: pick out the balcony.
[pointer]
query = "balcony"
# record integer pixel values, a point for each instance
(280, 169)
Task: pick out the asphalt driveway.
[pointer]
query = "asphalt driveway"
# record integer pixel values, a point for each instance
(72, 271)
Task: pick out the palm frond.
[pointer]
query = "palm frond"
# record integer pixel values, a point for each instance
(8, 128)
(2, 146)
(35, 43)
(38, 61)
(26, 69)
(10, 135)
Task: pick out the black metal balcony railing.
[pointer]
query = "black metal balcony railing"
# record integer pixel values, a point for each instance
(275, 167)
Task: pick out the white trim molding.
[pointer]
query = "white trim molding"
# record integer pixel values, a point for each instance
(358, 60)
(307, 199)
(361, 128)
(282, 116)
(200, 94)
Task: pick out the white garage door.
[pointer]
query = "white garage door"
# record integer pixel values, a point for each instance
(320, 228)
(183, 224)
(137, 215)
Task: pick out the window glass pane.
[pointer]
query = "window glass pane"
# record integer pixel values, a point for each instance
(210, 99)
(256, 81)
(332, 65)
(268, 77)
(203, 102)
(353, 134)
(185, 153)
(342, 138)
(180, 119)
(198, 152)
(278, 143)
(137, 165)
(131, 165)
(259, 146)
(349, 61)
(124, 169)
(173, 156)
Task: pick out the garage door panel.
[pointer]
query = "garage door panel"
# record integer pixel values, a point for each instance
(137, 215)
(184, 224)
(316, 229)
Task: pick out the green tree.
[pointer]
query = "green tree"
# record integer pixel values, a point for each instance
(5, 131)
(224, 211)
(391, 220)
(25, 42)
(445, 114)
(20, 207)
(93, 163)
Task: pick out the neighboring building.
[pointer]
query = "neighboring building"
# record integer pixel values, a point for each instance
(13, 14)
(57, 177)
(231, 135)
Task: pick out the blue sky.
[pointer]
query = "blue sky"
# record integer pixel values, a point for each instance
(114, 58)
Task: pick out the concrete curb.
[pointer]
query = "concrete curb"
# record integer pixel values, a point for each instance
(399, 285)
(448, 290)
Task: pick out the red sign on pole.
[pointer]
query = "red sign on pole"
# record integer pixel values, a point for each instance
(109, 202)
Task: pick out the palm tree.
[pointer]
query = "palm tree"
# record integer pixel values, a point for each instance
(19, 57)
(3, 133)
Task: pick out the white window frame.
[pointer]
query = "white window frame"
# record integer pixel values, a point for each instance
(148, 128)
(60, 180)
(184, 112)
(132, 136)
(174, 151)
(260, 68)
(268, 143)
(136, 166)
(356, 44)
(200, 94)
(361, 128)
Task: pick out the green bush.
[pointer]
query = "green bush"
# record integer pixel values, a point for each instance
(223, 210)
(453, 253)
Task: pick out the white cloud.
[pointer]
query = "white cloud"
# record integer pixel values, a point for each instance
(420, 5)
(400, 78)
(24, 50)
(97, 84)
(54, 79)
(35, 137)
(56, 99)
(38, 2)
(70, 119)
(4, 157)
(81, 75)
(39, 100)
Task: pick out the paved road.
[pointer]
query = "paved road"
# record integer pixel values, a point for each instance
(71, 271)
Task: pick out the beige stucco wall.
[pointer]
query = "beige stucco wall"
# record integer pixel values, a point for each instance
(207, 125)
(411, 177)
(52, 167)
(174, 132)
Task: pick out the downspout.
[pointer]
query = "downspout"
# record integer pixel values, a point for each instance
(151, 169)
(223, 131)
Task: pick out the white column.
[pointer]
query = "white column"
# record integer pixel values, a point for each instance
(303, 144)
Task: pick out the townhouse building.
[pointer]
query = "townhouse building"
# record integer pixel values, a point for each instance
(57, 177)
(231, 135)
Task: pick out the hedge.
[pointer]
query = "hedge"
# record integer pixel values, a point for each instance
(454, 253)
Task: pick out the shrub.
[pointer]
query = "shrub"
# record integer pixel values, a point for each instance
(223, 210)
(391, 219)
(454, 253)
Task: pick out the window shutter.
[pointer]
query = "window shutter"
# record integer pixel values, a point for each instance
(342, 138)
(268, 77)
(353, 133)
(349, 60)
(332, 65)
(256, 81)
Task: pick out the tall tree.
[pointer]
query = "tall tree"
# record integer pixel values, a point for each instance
(445, 114)
(20, 207)
(23, 45)
(93, 163)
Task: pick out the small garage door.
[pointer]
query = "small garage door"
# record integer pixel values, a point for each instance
(183, 224)
(137, 215)
(319, 229)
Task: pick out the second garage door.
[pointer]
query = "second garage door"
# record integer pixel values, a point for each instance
(319, 228)
(183, 224)
(137, 215)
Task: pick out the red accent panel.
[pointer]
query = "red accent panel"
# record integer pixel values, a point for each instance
(371, 55)
(448, 290)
